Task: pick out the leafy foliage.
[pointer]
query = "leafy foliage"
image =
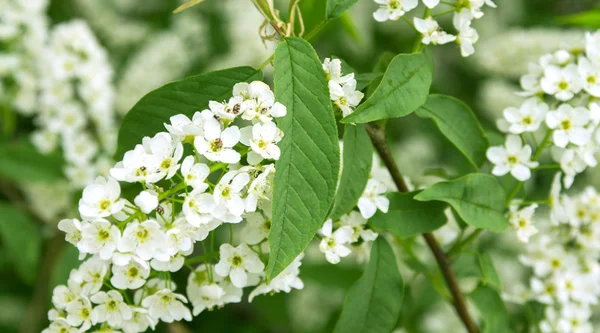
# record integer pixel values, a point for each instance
(458, 123)
(186, 97)
(356, 167)
(335, 8)
(307, 170)
(477, 198)
(374, 302)
(408, 217)
(22, 163)
(403, 89)
(491, 308)
(22, 239)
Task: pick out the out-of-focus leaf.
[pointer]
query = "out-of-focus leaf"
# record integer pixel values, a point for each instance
(408, 217)
(478, 199)
(308, 168)
(349, 27)
(492, 310)
(403, 89)
(335, 8)
(364, 80)
(588, 19)
(489, 275)
(186, 97)
(21, 162)
(356, 167)
(67, 260)
(374, 302)
(22, 238)
(459, 125)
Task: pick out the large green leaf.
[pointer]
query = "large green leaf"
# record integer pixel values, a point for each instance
(489, 275)
(374, 302)
(22, 239)
(403, 89)
(408, 217)
(492, 310)
(186, 96)
(22, 163)
(458, 123)
(308, 168)
(356, 167)
(335, 8)
(477, 198)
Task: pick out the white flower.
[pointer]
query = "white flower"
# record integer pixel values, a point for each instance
(372, 199)
(137, 166)
(140, 321)
(333, 71)
(62, 296)
(432, 32)
(60, 325)
(346, 97)
(228, 110)
(260, 188)
(185, 129)
(530, 82)
(358, 223)
(563, 83)
(89, 277)
(130, 276)
(393, 9)
(99, 237)
(592, 46)
(522, 221)
(147, 201)
(198, 207)
(101, 199)
(110, 309)
(431, 3)
(237, 262)
(333, 244)
(217, 145)
(202, 293)
(527, 118)
(286, 281)
(166, 151)
(256, 229)
(167, 306)
(467, 36)
(477, 5)
(570, 163)
(590, 76)
(263, 139)
(569, 124)
(143, 239)
(72, 228)
(228, 196)
(79, 313)
(514, 157)
(195, 174)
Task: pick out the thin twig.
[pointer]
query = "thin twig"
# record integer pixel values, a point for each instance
(379, 140)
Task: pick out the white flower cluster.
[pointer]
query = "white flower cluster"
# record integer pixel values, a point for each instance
(23, 30)
(562, 109)
(564, 259)
(342, 88)
(465, 11)
(125, 284)
(351, 231)
(76, 103)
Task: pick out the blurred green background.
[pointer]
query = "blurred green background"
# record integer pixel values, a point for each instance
(149, 46)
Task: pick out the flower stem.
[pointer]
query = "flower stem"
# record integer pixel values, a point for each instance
(378, 138)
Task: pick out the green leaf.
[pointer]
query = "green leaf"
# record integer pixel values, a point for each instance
(458, 123)
(356, 167)
(403, 89)
(492, 310)
(187, 5)
(477, 198)
(408, 217)
(335, 8)
(22, 162)
(22, 239)
(374, 302)
(308, 168)
(489, 275)
(364, 80)
(68, 259)
(186, 97)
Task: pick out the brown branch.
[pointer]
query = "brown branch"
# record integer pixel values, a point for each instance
(379, 140)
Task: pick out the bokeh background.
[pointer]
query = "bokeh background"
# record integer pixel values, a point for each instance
(148, 46)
